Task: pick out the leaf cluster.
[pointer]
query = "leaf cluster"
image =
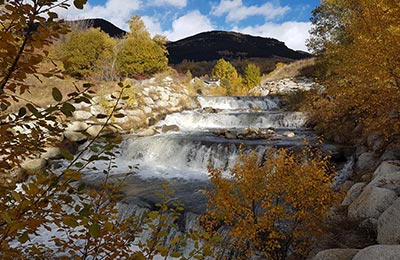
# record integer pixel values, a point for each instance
(360, 68)
(274, 205)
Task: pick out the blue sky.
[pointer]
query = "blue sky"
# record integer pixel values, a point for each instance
(284, 20)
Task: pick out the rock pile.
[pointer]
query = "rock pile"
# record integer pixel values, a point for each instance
(284, 86)
(373, 202)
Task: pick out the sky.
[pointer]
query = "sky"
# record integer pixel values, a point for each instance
(285, 20)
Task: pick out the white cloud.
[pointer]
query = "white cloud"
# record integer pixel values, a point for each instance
(117, 12)
(236, 11)
(176, 3)
(188, 25)
(294, 34)
(152, 25)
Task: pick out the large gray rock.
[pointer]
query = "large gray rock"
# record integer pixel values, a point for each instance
(366, 162)
(371, 203)
(336, 254)
(387, 167)
(94, 130)
(77, 126)
(353, 193)
(33, 164)
(379, 252)
(51, 152)
(389, 225)
(82, 115)
(75, 136)
(389, 180)
(392, 152)
(376, 142)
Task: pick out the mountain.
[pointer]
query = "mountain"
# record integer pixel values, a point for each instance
(104, 25)
(213, 45)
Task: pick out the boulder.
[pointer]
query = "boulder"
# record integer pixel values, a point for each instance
(389, 225)
(147, 110)
(379, 252)
(336, 254)
(366, 162)
(353, 193)
(371, 203)
(147, 132)
(376, 142)
(169, 128)
(75, 136)
(392, 152)
(51, 153)
(77, 126)
(164, 96)
(387, 167)
(148, 101)
(33, 164)
(94, 130)
(389, 180)
(82, 115)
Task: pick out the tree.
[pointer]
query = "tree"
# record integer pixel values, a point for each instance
(252, 76)
(228, 75)
(224, 70)
(361, 75)
(275, 205)
(86, 53)
(140, 54)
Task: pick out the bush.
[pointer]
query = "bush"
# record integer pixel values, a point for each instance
(140, 54)
(86, 53)
(275, 205)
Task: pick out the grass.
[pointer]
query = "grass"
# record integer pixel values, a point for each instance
(295, 69)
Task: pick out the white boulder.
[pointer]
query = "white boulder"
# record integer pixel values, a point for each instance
(389, 225)
(379, 252)
(371, 203)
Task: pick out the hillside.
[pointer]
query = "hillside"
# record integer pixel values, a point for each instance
(208, 46)
(213, 45)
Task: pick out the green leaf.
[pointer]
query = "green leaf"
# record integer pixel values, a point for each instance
(100, 116)
(56, 94)
(84, 212)
(71, 222)
(33, 110)
(94, 230)
(22, 239)
(119, 115)
(67, 155)
(176, 254)
(79, 3)
(22, 112)
(67, 109)
(153, 214)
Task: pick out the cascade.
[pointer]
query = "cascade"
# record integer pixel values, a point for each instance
(182, 158)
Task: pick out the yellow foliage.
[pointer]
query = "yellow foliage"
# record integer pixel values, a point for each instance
(362, 71)
(275, 205)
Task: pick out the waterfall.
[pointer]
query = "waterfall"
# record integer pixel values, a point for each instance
(237, 103)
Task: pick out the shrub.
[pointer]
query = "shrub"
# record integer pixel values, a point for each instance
(85, 53)
(140, 54)
(275, 205)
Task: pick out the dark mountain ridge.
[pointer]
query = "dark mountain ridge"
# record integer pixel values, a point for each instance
(213, 45)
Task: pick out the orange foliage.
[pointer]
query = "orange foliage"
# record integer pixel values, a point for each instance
(362, 71)
(276, 207)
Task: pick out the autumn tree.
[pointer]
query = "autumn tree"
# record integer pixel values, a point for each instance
(227, 73)
(252, 76)
(274, 205)
(361, 74)
(140, 54)
(83, 219)
(87, 53)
